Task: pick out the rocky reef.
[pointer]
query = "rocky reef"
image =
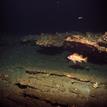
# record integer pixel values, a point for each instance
(91, 45)
(86, 44)
(50, 40)
(70, 40)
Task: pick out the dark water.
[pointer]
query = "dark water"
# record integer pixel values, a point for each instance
(45, 16)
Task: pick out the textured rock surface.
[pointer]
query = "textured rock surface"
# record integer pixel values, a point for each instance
(62, 89)
(53, 89)
(70, 41)
(50, 41)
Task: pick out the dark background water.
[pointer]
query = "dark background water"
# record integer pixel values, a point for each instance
(32, 16)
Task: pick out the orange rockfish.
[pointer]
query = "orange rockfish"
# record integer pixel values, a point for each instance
(76, 58)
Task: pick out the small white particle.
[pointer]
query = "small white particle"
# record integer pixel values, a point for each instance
(80, 18)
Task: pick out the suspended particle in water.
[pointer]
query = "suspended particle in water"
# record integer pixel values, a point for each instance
(80, 18)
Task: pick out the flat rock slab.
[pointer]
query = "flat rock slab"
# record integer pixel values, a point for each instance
(62, 89)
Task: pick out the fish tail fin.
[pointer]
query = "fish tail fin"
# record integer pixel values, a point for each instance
(85, 59)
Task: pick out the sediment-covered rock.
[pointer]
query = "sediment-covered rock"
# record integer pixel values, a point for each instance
(73, 41)
(50, 41)
(63, 89)
(79, 40)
